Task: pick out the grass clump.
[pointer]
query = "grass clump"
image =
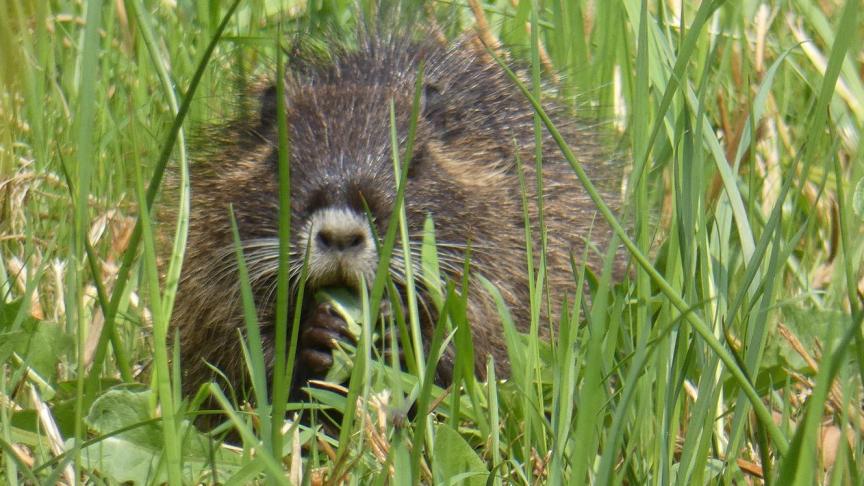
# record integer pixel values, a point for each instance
(732, 352)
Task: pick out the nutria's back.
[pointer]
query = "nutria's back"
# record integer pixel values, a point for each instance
(473, 126)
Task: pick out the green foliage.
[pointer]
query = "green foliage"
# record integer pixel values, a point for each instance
(456, 462)
(732, 348)
(131, 444)
(36, 344)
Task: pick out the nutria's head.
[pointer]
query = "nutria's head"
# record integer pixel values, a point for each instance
(343, 181)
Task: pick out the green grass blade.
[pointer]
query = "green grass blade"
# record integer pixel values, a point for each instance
(152, 189)
(698, 324)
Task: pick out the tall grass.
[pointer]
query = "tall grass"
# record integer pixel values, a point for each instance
(731, 352)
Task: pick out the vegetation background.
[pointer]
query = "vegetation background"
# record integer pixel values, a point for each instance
(732, 354)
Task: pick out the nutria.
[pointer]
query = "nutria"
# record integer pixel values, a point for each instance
(473, 126)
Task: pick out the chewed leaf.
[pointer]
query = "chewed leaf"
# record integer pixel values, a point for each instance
(343, 362)
(347, 304)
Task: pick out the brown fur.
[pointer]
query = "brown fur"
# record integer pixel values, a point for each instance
(474, 123)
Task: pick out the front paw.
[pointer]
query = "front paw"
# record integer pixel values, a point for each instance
(320, 333)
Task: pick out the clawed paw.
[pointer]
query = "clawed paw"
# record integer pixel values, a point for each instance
(320, 334)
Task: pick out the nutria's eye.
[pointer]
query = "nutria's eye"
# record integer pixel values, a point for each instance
(418, 161)
(432, 105)
(446, 120)
(319, 199)
(413, 169)
(432, 99)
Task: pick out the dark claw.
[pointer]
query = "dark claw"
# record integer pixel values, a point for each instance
(319, 334)
(323, 327)
(316, 362)
(320, 338)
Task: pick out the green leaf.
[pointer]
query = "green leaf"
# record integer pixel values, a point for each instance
(346, 303)
(9, 312)
(37, 343)
(119, 408)
(348, 306)
(455, 461)
(133, 456)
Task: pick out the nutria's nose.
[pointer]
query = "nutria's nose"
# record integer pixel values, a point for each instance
(340, 238)
(342, 248)
(339, 232)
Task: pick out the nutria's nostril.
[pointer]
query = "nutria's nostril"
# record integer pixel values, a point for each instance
(336, 240)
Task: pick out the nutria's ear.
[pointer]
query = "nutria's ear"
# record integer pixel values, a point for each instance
(435, 110)
(267, 102)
